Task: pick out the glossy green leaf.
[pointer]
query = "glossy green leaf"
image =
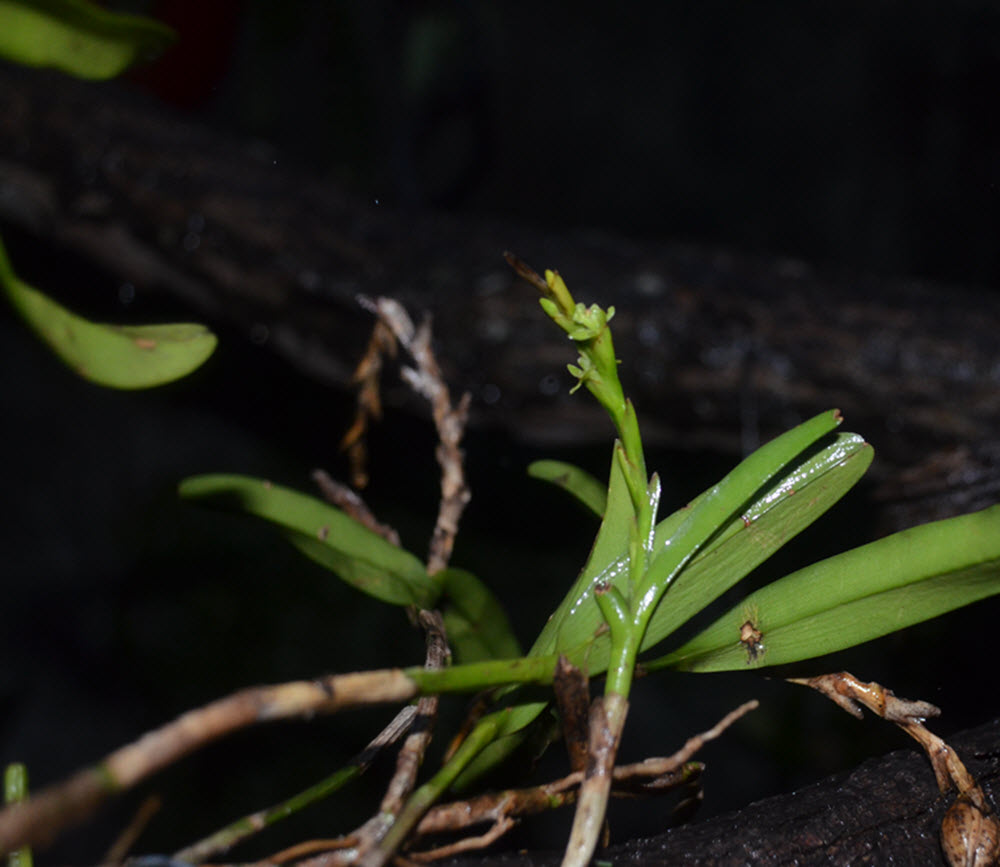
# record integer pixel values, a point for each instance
(798, 477)
(817, 480)
(607, 548)
(736, 492)
(588, 490)
(577, 618)
(78, 37)
(117, 356)
(477, 625)
(753, 487)
(856, 596)
(354, 553)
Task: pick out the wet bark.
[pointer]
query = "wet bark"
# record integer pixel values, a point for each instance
(721, 351)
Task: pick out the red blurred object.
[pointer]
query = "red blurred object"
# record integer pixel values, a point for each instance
(190, 69)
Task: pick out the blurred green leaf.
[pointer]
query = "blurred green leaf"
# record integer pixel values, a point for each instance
(856, 596)
(15, 790)
(478, 629)
(78, 37)
(588, 490)
(357, 555)
(117, 356)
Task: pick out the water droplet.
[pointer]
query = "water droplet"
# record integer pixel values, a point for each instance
(649, 334)
(650, 284)
(548, 385)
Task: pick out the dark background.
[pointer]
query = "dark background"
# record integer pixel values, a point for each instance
(853, 134)
(861, 137)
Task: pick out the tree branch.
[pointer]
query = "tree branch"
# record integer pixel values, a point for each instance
(728, 350)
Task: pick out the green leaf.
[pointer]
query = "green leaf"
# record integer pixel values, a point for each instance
(15, 791)
(357, 555)
(588, 490)
(778, 513)
(856, 596)
(759, 486)
(77, 37)
(477, 625)
(720, 505)
(608, 546)
(117, 356)
(578, 618)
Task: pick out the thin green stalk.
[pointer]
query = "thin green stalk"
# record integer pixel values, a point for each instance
(477, 676)
(225, 838)
(484, 733)
(15, 790)
(626, 613)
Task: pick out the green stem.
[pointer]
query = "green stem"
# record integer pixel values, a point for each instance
(227, 837)
(15, 790)
(423, 799)
(477, 676)
(625, 640)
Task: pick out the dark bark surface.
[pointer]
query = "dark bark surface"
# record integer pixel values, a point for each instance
(886, 811)
(721, 352)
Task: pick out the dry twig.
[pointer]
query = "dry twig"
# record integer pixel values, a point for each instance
(40, 818)
(502, 809)
(121, 846)
(224, 839)
(572, 692)
(426, 380)
(366, 376)
(366, 851)
(351, 504)
(970, 832)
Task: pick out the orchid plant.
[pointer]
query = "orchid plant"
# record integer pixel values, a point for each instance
(644, 578)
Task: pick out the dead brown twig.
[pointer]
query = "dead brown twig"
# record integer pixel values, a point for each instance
(970, 832)
(349, 502)
(364, 848)
(501, 810)
(572, 692)
(224, 839)
(37, 820)
(394, 325)
(121, 847)
(382, 343)
(426, 380)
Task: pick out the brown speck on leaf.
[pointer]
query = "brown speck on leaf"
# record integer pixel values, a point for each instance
(322, 533)
(145, 343)
(752, 639)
